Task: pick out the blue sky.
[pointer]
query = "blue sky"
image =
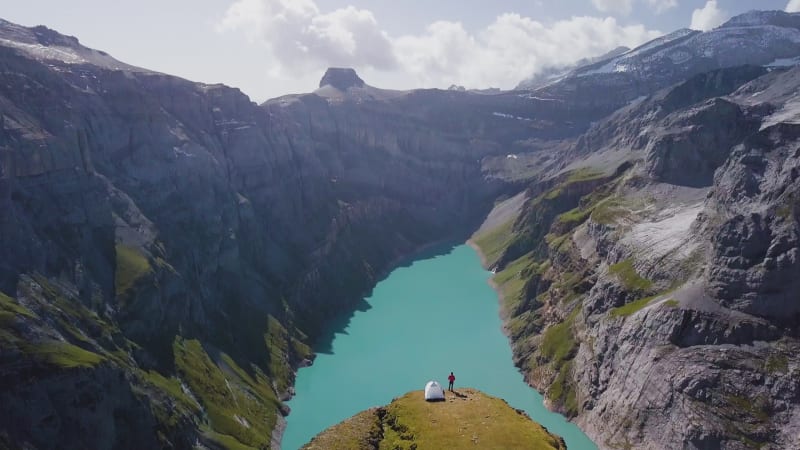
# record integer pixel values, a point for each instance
(269, 48)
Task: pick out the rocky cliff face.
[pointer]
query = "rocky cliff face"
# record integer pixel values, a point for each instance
(170, 248)
(661, 312)
(187, 244)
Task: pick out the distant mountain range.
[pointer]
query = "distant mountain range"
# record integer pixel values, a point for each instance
(756, 38)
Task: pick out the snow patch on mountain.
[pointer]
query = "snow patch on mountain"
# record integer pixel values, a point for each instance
(43, 44)
(790, 113)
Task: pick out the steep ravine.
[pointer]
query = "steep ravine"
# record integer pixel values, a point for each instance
(170, 249)
(186, 245)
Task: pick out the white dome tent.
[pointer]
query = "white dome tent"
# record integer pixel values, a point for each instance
(433, 391)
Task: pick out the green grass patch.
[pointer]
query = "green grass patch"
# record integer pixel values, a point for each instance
(558, 342)
(475, 420)
(777, 364)
(574, 217)
(180, 405)
(748, 406)
(632, 307)
(9, 305)
(359, 432)
(131, 266)
(554, 193)
(494, 242)
(63, 354)
(558, 244)
(512, 280)
(609, 211)
(562, 390)
(671, 303)
(277, 340)
(632, 281)
(237, 405)
(228, 442)
(71, 310)
(584, 174)
(71, 330)
(171, 386)
(520, 325)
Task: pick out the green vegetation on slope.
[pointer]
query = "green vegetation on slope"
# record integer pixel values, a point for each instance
(63, 354)
(131, 266)
(625, 272)
(281, 346)
(563, 391)
(9, 305)
(468, 420)
(574, 217)
(632, 307)
(609, 210)
(173, 405)
(239, 406)
(777, 363)
(494, 242)
(584, 174)
(512, 279)
(558, 346)
(558, 342)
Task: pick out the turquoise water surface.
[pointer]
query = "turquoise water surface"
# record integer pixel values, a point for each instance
(424, 320)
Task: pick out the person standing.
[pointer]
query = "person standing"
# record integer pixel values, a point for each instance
(451, 379)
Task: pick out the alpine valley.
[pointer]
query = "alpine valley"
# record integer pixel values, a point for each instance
(170, 250)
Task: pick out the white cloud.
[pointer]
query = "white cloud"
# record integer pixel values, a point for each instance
(624, 7)
(793, 6)
(510, 49)
(662, 5)
(708, 17)
(300, 39)
(614, 6)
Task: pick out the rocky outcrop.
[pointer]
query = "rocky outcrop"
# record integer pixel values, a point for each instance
(690, 145)
(756, 244)
(341, 78)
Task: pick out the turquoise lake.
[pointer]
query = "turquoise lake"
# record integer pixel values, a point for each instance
(435, 315)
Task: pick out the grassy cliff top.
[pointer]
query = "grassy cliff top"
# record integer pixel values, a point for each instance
(467, 418)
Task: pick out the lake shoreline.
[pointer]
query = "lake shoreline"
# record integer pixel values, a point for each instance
(503, 317)
(435, 315)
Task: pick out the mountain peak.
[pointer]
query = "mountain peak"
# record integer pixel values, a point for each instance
(342, 78)
(760, 18)
(44, 44)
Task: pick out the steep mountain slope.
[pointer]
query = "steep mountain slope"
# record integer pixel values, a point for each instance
(169, 248)
(184, 245)
(556, 73)
(650, 288)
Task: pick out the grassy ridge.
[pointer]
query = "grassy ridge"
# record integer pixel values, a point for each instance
(467, 420)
